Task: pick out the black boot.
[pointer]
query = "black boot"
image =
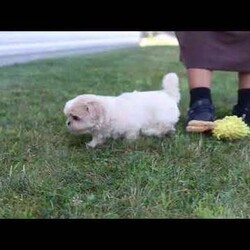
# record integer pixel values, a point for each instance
(201, 110)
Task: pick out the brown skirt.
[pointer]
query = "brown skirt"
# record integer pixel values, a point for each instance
(214, 50)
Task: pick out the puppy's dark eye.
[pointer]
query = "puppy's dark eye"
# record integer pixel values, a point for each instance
(75, 117)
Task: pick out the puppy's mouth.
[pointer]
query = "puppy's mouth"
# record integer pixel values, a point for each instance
(76, 132)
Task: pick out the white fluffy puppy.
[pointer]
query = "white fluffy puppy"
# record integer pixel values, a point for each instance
(152, 113)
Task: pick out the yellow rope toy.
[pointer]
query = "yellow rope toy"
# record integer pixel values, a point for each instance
(230, 127)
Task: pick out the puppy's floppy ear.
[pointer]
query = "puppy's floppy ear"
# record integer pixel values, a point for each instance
(67, 107)
(95, 109)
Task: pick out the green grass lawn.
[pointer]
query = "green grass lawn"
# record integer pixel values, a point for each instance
(45, 172)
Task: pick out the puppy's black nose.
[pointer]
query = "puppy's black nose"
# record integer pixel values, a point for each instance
(68, 123)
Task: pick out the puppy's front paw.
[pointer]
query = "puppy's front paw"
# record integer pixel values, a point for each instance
(131, 136)
(95, 142)
(91, 144)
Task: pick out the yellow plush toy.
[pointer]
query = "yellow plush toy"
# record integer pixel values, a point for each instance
(230, 127)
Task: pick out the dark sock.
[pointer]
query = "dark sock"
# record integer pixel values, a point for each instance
(243, 97)
(199, 93)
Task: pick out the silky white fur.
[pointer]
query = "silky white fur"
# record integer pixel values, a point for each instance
(151, 113)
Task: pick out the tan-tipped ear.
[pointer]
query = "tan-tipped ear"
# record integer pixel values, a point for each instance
(67, 107)
(95, 109)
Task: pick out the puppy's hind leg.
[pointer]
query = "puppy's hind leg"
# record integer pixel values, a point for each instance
(158, 130)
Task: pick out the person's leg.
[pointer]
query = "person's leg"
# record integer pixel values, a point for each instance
(201, 106)
(242, 108)
(244, 88)
(244, 80)
(198, 78)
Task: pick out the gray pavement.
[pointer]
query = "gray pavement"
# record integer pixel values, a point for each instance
(21, 47)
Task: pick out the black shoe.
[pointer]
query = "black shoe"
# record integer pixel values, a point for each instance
(243, 112)
(201, 110)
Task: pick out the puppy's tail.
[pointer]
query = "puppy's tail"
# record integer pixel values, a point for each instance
(170, 84)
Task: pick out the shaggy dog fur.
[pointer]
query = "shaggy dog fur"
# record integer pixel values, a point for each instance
(151, 113)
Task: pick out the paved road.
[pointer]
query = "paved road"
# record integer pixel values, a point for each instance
(20, 47)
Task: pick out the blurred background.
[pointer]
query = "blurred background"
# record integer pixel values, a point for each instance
(20, 47)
